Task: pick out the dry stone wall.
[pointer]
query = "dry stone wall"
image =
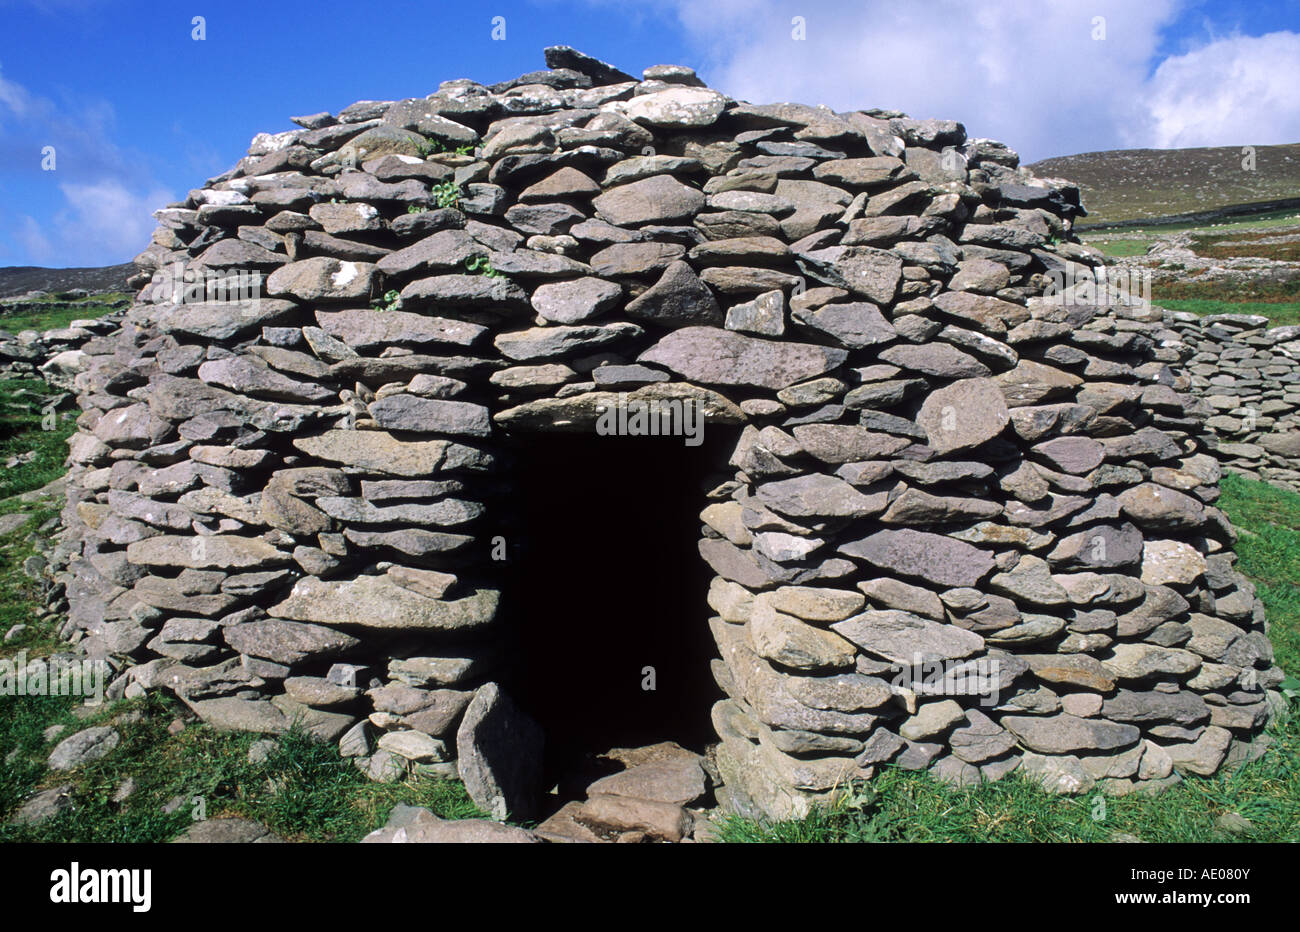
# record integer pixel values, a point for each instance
(284, 509)
(1248, 375)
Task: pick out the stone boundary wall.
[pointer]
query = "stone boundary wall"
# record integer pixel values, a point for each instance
(284, 510)
(54, 355)
(1248, 375)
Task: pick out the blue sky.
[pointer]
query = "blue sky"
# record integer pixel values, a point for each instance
(138, 112)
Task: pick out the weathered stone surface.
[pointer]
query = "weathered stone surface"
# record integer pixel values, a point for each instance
(963, 415)
(431, 415)
(362, 329)
(718, 357)
(658, 199)
(901, 637)
(378, 602)
(221, 320)
(678, 298)
(676, 107)
(855, 325)
(1138, 661)
(500, 755)
(787, 641)
(575, 300)
(549, 342)
(936, 559)
(1171, 561)
(322, 279)
(84, 747)
(815, 495)
(218, 551)
(1078, 670)
(1066, 734)
(287, 642)
(381, 452)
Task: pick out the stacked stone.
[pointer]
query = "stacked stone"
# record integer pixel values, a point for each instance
(287, 509)
(1249, 376)
(52, 355)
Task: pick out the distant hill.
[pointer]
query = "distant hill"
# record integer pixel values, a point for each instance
(1144, 184)
(20, 279)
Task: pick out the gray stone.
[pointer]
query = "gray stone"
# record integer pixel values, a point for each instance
(719, 357)
(84, 747)
(964, 415)
(901, 636)
(500, 755)
(934, 558)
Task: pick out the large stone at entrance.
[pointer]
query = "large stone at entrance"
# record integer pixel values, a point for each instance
(500, 755)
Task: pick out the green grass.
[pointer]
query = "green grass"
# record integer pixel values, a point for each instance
(1124, 247)
(61, 312)
(1265, 220)
(1279, 313)
(1268, 550)
(912, 807)
(25, 428)
(303, 791)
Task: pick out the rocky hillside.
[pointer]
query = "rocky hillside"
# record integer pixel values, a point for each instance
(22, 279)
(1144, 184)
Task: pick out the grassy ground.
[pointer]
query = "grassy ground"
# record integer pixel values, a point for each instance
(303, 791)
(1275, 297)
(904, 806)
(60, 312)
(26, 428)
(1270, 221)
(1279, 313)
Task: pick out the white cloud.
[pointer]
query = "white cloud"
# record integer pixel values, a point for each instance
(103, 223)
(1025, 72)
(13, 97)
(105, 218)
(33, 239)
(1237, 91)
(107, 194)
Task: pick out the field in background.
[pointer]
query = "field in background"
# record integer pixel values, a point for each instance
(1142, 184)
(56, 311)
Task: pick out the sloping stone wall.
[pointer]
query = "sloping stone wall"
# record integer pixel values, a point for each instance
(288, 509)
(1248, 374)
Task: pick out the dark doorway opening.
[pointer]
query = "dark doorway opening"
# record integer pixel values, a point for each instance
(606, 582)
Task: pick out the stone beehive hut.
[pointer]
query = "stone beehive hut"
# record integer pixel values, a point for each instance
(289, 509)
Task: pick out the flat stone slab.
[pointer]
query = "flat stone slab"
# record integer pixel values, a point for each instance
(379, 603)
(714, 356)
(230, 831)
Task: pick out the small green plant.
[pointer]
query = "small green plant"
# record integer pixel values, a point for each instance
(415, 209)
(435, 146)
(391, 301)
(482, 265)
(445, 194)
